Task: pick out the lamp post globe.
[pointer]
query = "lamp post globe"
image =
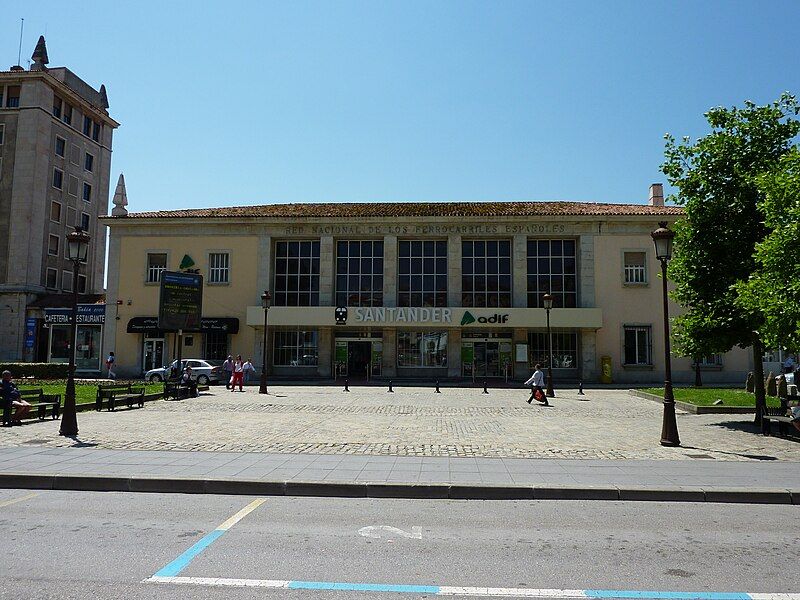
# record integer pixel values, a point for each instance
(662, 239)
(547, 302)
(77, 252)
(266, 301)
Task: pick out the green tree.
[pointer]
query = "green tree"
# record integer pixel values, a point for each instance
(773, 291)
(717, 182)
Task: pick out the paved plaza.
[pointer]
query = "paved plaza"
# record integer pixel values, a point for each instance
(413, 421)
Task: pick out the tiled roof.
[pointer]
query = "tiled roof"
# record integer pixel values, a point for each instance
(416, 209)
(65, 300)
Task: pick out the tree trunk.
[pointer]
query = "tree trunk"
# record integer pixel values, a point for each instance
(698, 382)
(758, 376)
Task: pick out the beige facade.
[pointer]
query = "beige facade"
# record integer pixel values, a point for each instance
(406, 291)
(55, 165)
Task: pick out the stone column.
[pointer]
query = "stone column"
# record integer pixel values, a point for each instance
(390, 271)
(264, 268)
(454, 276)
(519, 266)
(586, 293)
(325, 341)
(454, 352)
(589, 361)
(326, 264)
(389, 352)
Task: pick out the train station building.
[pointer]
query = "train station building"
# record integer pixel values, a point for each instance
(405, 291)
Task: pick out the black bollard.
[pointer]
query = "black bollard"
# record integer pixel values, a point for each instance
(580, 388)
(346, 386)
(438, 391)
(391, 391)
(485, 391)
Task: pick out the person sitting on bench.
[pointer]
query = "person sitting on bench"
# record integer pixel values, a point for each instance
(186, 379)
(11, 396)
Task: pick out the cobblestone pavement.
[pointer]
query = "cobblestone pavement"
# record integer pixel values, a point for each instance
(608, 424)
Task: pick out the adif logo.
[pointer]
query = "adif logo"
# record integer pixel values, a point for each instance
(468, 319)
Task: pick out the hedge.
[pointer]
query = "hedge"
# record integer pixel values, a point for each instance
(37, 370)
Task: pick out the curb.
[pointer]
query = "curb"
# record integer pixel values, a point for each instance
(422, 491)
(696, 409)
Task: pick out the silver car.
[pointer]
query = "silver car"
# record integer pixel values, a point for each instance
(204, 372)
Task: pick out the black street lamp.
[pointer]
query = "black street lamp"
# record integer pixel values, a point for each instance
(547, 301)
(77, 251)
(662, 238)
(266, 300)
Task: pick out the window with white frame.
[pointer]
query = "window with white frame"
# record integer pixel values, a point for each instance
(295, 348)
(712, 360)
(422, 349)
(88, 162)
(219, 267)
(55, 211)
(635, 267)
(61, 146)
(51, 280)
(638, 345)
(72, 185)
(52, 245)
(66, 281)
(58, 179)
(85, 221)
(87, 192)
(156, 264)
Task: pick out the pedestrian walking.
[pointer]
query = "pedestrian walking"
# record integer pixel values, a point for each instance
(248, 368)
(227, 368)
(537, 381)
(110, 365)
(238, 374)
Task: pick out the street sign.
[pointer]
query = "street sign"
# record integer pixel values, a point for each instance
(181, 301)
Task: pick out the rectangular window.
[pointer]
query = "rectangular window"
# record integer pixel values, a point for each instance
(565, 349)
(638, 345)
(359, 273)
(712, 360)
(81, 284)
(51, 280)
(52, 245)
(296, 273)
(486, 273)
(55, 212)
(635, 267)
(74, 156)
(88, 162)
(421, 349)
(552, 269)
(218, 267)
(87, 192)
(215, 345)
(72, 185)
(12, 101)
(61, 145)
(85, 220)
(422, 273)
(2, 132)
(295, 349)
(67, 116)
(87, 126)
(96, 131)
(58, 103)
(72, 217)
(156, 263)
(58, 179)
(66, 281)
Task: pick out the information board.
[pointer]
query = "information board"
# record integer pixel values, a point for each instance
(181, 301)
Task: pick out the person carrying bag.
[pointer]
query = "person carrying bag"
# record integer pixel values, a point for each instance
(537, 381)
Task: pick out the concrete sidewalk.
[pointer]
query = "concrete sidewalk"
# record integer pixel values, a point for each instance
(399, 476)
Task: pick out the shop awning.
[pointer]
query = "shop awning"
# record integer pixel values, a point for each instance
(207, 325)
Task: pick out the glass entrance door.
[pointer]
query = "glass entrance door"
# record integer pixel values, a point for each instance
(153, 354)
(487, 359)
(359, 355)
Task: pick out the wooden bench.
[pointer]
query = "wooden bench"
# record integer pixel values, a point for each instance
(179, 391)
(118, 394)
(39, 402)
(778, 415)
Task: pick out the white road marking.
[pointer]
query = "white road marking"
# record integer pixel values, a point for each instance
(374, 531)
(20, 499)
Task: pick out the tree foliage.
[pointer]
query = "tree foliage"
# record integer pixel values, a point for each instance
(717, 178)
(773, 291)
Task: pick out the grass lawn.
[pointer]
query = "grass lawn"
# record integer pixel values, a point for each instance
(707, 396)
(84, 393)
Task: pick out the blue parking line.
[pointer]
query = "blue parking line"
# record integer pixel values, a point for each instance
(363, 587)
(180, 563)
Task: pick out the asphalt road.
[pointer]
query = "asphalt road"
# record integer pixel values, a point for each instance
(109, 545)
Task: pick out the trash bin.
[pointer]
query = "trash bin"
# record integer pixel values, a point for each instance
(605, 369)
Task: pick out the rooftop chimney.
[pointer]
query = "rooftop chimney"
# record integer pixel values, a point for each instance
(656, 195)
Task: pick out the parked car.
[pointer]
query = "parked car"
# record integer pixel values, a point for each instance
(204, 372)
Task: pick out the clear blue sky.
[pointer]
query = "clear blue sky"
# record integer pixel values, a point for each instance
(261, 102)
